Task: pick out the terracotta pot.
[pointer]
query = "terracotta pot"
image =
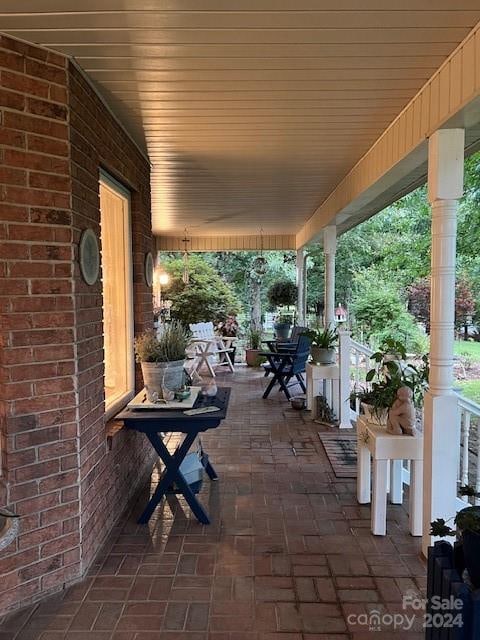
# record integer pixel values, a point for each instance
(321, 355)
(251, 356)
(160, 376)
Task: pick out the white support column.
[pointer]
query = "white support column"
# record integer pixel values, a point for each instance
(301, 301)
(441, 436)
(329, 250)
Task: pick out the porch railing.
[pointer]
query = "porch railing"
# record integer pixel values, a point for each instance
(468, 418)
(360, 364)
(469, 464)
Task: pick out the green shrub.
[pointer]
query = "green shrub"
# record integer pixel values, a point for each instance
(380, 310)
(206, 298)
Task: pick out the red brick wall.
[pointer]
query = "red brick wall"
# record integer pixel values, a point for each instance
(56, 470)
(97, 141)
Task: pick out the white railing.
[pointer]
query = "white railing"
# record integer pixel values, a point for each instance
(469, 462)
(360, 364)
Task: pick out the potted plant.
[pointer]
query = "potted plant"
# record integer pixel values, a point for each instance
(323, 344)
(162, 358)
(282, 293)
(253, 349)
(282, 325)
(229, 329)
(376, 400)
(390, 372)
(467, 531)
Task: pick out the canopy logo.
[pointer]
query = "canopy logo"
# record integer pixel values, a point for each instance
(443, 613)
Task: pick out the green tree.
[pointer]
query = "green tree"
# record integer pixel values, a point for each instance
(207, 297)
(380, 313)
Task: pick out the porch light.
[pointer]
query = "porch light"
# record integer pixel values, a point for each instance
(163, 278)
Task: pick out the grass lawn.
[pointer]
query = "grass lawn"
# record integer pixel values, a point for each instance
(472, 349)
(470, 389)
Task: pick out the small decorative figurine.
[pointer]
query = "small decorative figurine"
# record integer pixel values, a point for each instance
(210, 389)
(401, 416)
(325, 414)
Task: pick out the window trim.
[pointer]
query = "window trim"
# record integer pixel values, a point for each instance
(116, 187)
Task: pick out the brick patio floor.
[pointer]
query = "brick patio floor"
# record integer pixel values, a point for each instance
(289, 554)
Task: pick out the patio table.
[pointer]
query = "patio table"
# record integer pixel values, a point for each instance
(154, 422)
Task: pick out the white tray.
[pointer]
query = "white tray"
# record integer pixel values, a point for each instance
(140, 401)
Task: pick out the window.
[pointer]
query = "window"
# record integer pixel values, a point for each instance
(117, 294)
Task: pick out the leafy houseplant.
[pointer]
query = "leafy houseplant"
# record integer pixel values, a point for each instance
(323, 344)
(282, 293)
(254, 339)
(390, 372)
(229, 328)
(467, 529)
(162, 358)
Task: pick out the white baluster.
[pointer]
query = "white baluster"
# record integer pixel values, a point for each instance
(477, 480)
(465, 456)
(357, 380)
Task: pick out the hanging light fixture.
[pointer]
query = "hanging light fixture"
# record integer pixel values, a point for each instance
(260, 263)
(186, 273)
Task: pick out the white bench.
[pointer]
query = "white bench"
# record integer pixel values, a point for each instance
(209, 349)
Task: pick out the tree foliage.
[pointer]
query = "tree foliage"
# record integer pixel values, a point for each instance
(380, 313)
(419, 301)
(207, 297)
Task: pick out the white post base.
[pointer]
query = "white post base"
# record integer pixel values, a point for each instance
(441, 460)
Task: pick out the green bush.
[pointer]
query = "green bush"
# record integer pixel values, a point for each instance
(206, 298)
(380, 311)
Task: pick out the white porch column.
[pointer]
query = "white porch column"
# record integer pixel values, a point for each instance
(301, 276)
(329, 250)
(441, 437)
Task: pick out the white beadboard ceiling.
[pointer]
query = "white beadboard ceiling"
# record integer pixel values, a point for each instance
(252, 111)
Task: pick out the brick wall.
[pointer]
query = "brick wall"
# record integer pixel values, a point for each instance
(98, 141)
(56, 470)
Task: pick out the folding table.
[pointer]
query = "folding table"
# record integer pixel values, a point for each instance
(154, 422)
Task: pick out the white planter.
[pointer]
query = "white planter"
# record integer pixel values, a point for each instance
(322, 356)
(379, 416)
(160, 376)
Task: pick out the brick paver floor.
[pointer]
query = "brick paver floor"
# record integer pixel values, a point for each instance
(289, 554)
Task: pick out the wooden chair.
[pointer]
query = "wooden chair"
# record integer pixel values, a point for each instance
(291, 342)
(280, 346)
(209, 349)
(284, 365)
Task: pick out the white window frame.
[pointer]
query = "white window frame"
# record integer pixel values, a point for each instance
(107, 181)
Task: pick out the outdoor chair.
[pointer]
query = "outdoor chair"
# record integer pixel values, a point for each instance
(280, 346)
(285, 365)
(291, 342)
(208, 349)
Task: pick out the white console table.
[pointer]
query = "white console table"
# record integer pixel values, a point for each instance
(374, 442)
